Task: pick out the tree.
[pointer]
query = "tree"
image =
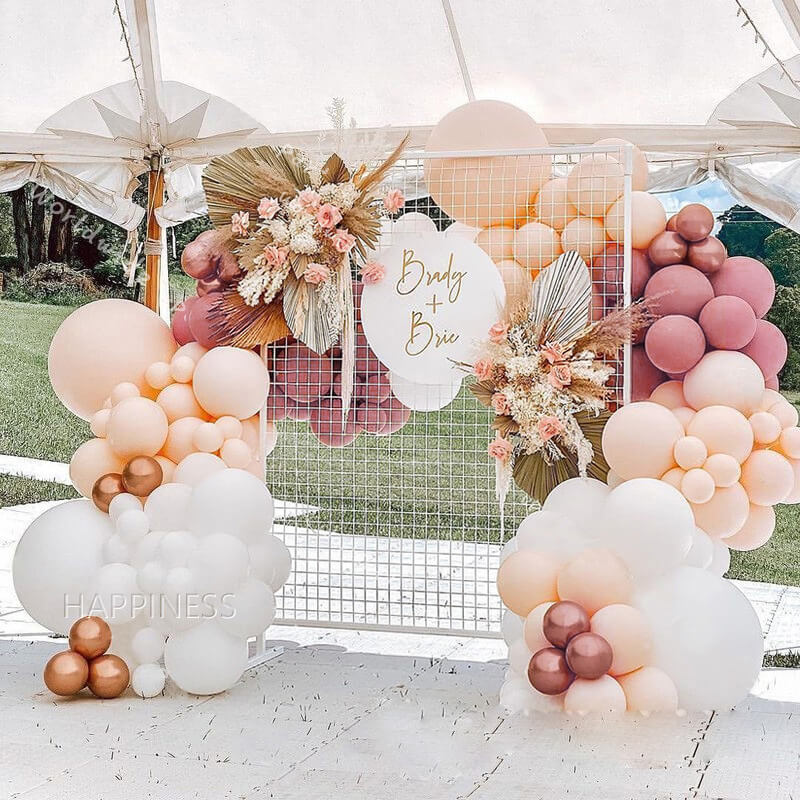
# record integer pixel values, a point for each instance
(59, 241)
(782, 256)
(22, 228)
(744, 231)
(38, 238)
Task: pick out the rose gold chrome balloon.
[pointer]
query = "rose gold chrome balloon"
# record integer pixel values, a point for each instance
(105, 489)
(562, 621)
(666, 249)
(66, 673)
(90, 637)
(142, 475)
(707, 255)
(694, 222)
(548, 671)
(108, 676)
(589, 655)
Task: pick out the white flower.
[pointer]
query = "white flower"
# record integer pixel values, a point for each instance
(278, 230)
(343, 195)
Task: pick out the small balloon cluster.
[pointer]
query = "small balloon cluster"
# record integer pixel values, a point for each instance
(612, 606)
(87, 663)
(174, 548)
(726, 442)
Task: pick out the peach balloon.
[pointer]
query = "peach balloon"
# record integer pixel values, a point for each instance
(669, 395)
(766, 427)
(789, 442)
(485, 190)
(517, 282)
(648, 219)
(756, 531)
(236, 453)
(102, 344)
(595, 578)
(794, 495)
(137, 427)
(640, 168)
(527, 579)
(207, 438)
(639, 439)
(178, 401)
(769, 398)
(181, 369)
(723, 430)
(158, 375)
(674, 477)
(785, 412)
(99, 422)
(724, 513)
(536, 245)
(230, 426)
(229, 381)
(497, 242)
(649, 689)
(594, 183)
(724, 377)
(601, 695)
(122, 391)
(180, 437)
(767, 477)
(251, 433)
(553, 206)
(723, 468)
(690, 452)
(627, 631)
(532, 628)
(167, 468)
(697, 486)
(684, 415)
(91, 460)
(193, 350)
(586, 235)
(271, 438)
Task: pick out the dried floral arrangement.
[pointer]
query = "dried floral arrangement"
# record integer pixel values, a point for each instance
(543, 373)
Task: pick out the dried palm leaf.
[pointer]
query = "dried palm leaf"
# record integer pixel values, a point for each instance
(483, 391)
(240, 325)
(300, 263)
(335, 171)
(370, 179)
(347, 342)
(505, 425)
(305, 315)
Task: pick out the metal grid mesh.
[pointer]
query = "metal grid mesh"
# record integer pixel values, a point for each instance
(403, 531)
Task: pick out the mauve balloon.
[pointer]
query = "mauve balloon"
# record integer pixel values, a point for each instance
(675, 343)
(227, 265)
(746, 278)
(397, 415)
(302, 374)
(728, 322)
(767, 348)
(644, 376)
(694, 222)
(181, 331)
(326, 423)
(608, 268)
(679, 289)
(372, 418)
(589, 655)
(772, 383)
(209, 285)
(562, 621)
(299, 412)
(278, 404)
(548, 671)
(667, 248)
(671, 222)
(366, 362)
(377, 388)
(197, 259)
(708, 255)
(199, 320)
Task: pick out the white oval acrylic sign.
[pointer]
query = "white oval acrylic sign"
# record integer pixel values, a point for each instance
(438, 299)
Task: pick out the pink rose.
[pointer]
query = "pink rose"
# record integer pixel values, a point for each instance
(343, 241)
(329, 217)
(240, 222)
(483, 369)
(310, 200)
(560, 375)
(373, 272)
(268, 207)
(316, 273)
(275, 256)
(552, 353)
(394, 201)
(500, 448)
(548, 427)
(498, 332)
(500, 403)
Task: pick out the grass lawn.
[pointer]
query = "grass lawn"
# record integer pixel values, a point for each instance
(432, 479)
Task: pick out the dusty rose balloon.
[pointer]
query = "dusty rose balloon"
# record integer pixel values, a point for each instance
(694, 222)
(589, 655)
(728, 322)
(707, 255)
(199, 319)
(178, 401)
(532, 629)
(649, 690)
(91, 460)
(303, 375)
(227, 264)
(645, 377)
(648, 219)
(639, 440)
(101, 345)
(756, 531)
(667, 248)
(767, 348)
(300, 412)
(586, 236)
(679, 289)
(548, 672)
(772, 383)
(627, 631)
(671, 222)
(198, 260)
(723, 430)
(396, 415)
(229, 381)
(277, 404)
(326, 423)
(526, 579)
(210, 286)
(608, 268)
(603, 695)
(553, 206)
(593, 579)
(767, 477)
(535, 246)
(563, 621)
(180, 322)
(724, 513)
(724, 377)
(372, 418)
(746, 278)
(675, 343)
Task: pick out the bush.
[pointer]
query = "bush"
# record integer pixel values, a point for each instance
(57, 284)
(789, 377)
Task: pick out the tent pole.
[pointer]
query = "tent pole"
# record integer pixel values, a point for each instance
(155, 199)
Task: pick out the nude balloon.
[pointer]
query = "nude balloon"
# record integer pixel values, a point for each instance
(532, 628)
(724, 513)
(648, 219)
(517, 282)
(594, 183)
(725, 377)
(229, 381)
(536, 245)
(767, 477)
(91, 460)
(723, 468)
(649, 689)
(628, 633)
(102, 344)
(497, 242)
(553, 206)
(669, 395)
(723, 430)
(180, 438)
(585, 235)
(595, 578)
(136, 427)
(527, 579)
(756, 531)
(640, 167)
(595, 696)
(746, 278)
(178, 400)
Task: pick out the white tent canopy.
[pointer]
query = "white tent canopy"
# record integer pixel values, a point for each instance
(700, 86)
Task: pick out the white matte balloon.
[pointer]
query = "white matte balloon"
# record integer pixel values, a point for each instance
(424, 396)
(176, 547)
(196, 467)
(552, 533)
(132, 525)
(205, 659)
(517, 695)
(511, 627)
(579, 499)
(148, 680)
(121, 503)
(167, 506)
(270, 561)
(115, 550)
(706, 637)
(701, 551)
(414, 222)
(249, 611)
(56, 559)
(720, 559)
(115, 594)
(511, 546)
(147, 645)
(220, 562)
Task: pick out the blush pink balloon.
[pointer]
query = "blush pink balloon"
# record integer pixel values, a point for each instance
(594, 578)
(644, 375)
(300, 412)
(772, 383)
(377, 388)
(302, 374)
(728, 322)
(666, 249)
(724, 513)
(91, 460)
(366, 362)
(675, 343)
(746, 278)
(628, 632)
(679, 289)
(649, 690)
(326, 424)
(200, 322)
(526, 579)
(722, 430)
(603, 695)
(707, 255)
(725, 377)
(694, 222)
(767, 348)
(180, 322)
(136, 427)
(767, 477)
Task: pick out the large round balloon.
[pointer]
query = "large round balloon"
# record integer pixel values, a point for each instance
(746, 278)
(675, 343)
(724, 378)
(229, 381)
(648, 219)
(55, 562)
(706, 637)
(767, 348)
(679, 289)
(728, 322)
(486, 190)
(103, 344)
(594, 183)
(552, 206)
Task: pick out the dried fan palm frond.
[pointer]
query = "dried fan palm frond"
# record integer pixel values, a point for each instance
(305, 316)
(620, 326)
(335, 171)
(286, 161)
(361, 221)
(240, 325)
(505, 425)
(483, 392)
(371, 179)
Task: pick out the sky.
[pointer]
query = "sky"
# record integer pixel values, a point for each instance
(710, 192)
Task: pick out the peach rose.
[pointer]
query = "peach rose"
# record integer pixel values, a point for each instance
(552, 353)
(310, 200)
(275, 256)
(316, 273)
(268, 207)
(394, 201)
(329, 217)
(373, 272)
(548, 427)
(483, 369)
(500, 403)
(560, 375)
(498, 332)
(500, 448)
(240, 222)
(343, 241)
